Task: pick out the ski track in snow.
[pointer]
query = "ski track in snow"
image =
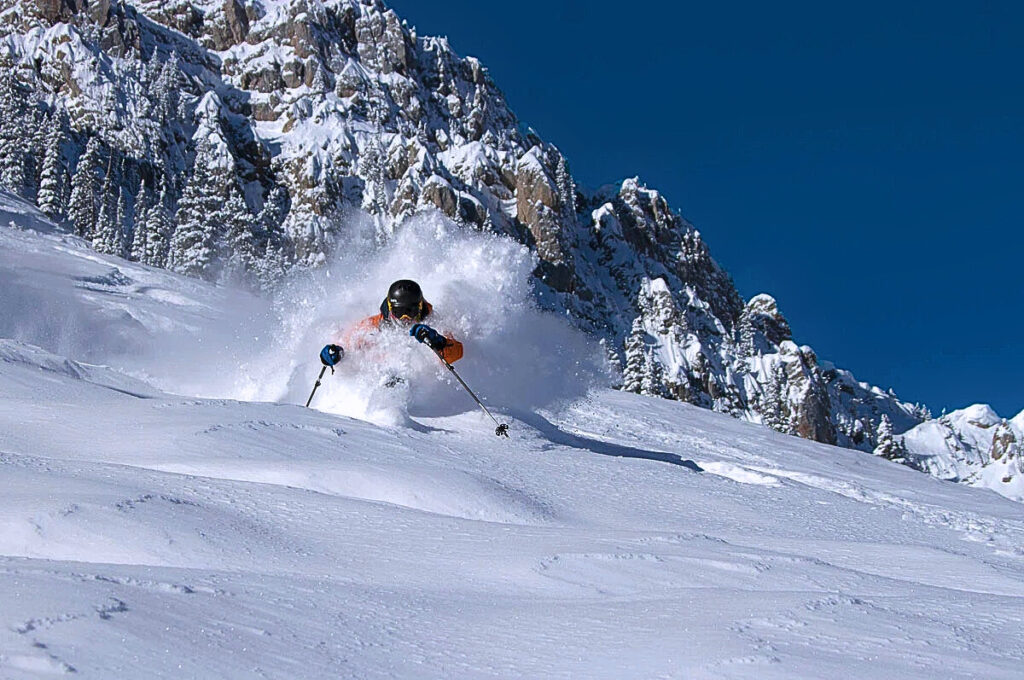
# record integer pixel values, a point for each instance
(156, 535)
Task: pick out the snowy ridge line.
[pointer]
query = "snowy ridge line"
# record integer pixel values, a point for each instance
(366, 488)
(12, 352)
(377, 489)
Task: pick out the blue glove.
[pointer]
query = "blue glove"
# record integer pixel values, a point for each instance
(428, 336)
(331, 354)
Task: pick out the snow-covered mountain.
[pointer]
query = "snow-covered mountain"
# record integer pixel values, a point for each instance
(973, 445)
(238, 139)
(176, 513)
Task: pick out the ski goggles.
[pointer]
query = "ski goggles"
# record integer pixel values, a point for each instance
(405, 312)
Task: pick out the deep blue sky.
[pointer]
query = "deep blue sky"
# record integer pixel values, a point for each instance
(864, 164)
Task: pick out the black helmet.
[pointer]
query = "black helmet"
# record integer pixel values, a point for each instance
(405, 300)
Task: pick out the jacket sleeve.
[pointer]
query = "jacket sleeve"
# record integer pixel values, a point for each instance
(452, 352)
(357, 337)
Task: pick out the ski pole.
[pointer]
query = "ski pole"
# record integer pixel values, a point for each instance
(318, 379)
(329, 355)
(502, 429)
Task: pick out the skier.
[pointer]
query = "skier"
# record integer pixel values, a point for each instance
(404, 307)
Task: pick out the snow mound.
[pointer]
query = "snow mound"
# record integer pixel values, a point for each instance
(180, 334)
(417, 487)
(111, 520)
(738, 473)
(18, 213)
(36, 366)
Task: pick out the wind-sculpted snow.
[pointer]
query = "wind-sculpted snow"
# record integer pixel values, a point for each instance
(168, 537)
(48, 369)
(181, 334)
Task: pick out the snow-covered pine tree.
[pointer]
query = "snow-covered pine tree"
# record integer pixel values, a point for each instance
(201, 216)
(921, 412)
(272, 215)
(613, 364)
(272, 267)
(635, 350)
(140, 232)
(652, 383)
(107, 236)
(774, 407)
(883, 433)
(566, 189)
(125, 221)
(38, 126)
(166, 90)
(236, 223)
(52, 179)
(159, 228)
(273, 264)
(887, 447)
(9, 86)
(745, 342)
(12, 161)
(148, 71)
(14, 135)
(83, 205)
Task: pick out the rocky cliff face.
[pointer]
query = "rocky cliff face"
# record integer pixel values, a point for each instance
(234, 136)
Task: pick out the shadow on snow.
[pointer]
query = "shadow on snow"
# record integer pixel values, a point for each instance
(558, 436)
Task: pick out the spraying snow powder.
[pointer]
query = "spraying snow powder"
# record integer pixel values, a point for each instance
(480, 286)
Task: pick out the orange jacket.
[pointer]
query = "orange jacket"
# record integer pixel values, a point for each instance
(360, 335)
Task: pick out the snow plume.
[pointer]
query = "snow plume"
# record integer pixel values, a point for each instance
(480, 286)
(192, 338)
(182, 335)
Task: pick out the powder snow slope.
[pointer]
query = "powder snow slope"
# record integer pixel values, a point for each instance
(151, 533)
